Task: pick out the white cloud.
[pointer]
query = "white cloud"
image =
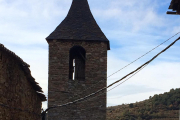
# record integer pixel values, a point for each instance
(136, 16)
(29, 21)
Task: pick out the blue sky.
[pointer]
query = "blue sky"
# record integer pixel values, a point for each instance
(133, 27)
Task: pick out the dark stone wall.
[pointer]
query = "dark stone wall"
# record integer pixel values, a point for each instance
(61, 89)
(16, 92)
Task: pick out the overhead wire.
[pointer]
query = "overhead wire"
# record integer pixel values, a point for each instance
(123, 67)
(136, 60)
(128, 78)
(134, 72)
(146, 63)
(143, 55)
(104, 88)
(126, 65)
(107, 91)
(116, 85)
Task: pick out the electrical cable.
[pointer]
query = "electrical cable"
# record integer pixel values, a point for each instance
(109, 90)
(118, 84)
(127, 65)
(104, 88)
(78, 94)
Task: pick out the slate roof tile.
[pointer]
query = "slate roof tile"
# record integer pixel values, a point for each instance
(79, 24)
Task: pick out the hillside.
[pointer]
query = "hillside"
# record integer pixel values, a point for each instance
(159, 107)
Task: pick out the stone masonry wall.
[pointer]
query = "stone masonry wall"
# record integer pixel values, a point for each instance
(61, 89)
(16, 92)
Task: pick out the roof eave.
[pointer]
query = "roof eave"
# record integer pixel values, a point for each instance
(107, 41)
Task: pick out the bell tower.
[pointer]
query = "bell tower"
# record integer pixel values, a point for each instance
(77, 61)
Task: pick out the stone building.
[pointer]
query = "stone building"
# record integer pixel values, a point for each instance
(20, 95)
(77, 61)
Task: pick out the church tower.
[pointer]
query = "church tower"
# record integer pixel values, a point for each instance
(77, 66)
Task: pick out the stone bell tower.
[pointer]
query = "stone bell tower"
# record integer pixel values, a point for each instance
(77, 61)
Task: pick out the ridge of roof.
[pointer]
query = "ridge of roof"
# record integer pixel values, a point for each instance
(25, 68)
(79, 24)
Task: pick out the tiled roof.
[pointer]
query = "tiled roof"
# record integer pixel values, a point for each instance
(27, 72)
(175, 6)
(79, 24)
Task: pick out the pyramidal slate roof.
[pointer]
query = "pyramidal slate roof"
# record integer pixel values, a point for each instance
(79, 24)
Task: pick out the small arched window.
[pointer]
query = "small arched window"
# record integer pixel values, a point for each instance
(77, 59)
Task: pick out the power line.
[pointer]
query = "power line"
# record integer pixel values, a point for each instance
(118, 84)
(128, 78)
(111, 89)
(143, 55)
(107, 91)
(141, 67)
(78, 94)
(137, 70)
(121, 82)
(88, 96)
(131, 73)
(146, 62)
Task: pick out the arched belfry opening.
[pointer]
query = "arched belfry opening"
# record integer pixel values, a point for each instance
(77, 60)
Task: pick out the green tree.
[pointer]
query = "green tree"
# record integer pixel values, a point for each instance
(131, 105)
